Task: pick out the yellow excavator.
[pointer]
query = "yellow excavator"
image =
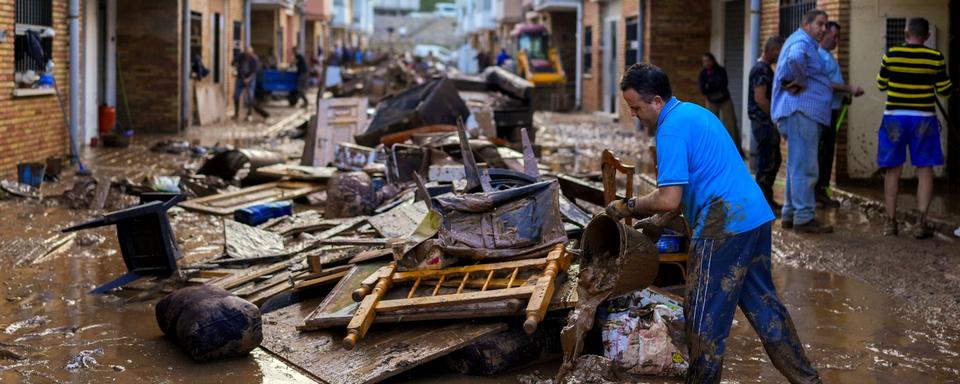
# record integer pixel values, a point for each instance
(536, 60)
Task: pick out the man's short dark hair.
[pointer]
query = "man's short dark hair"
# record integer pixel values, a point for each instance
(833, 25)
(773, 42)
(648, 80)
(812, 15)
(919, 27)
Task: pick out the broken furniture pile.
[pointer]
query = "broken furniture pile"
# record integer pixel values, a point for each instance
(417, 214)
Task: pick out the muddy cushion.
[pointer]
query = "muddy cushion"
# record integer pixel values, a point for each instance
(209, 324)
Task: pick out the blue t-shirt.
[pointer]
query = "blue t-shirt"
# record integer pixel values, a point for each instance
(720, 198)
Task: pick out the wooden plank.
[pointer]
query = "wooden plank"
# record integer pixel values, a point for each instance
(463, 298)
(354, 241)
(227, 203)
(370, 255)
(323, 280)
(247, 275)
(298, 172)
(385, 353)
(427, 273)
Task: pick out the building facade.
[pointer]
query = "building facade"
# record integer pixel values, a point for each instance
(31, 121)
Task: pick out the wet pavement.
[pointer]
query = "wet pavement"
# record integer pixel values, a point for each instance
(869, 309)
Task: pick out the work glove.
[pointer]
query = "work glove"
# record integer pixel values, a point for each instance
(620, 209)
(650, 226)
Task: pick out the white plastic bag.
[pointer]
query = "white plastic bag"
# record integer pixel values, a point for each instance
(638, 341)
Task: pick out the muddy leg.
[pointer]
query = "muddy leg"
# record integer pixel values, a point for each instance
(713, 287)
(770, 318)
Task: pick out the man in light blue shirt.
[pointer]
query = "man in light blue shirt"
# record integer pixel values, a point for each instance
(841, 91)
(699, 170)
(801, 108)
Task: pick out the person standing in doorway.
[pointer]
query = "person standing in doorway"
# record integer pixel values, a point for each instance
(303, 76)
(841, 95)
(700, 171)
(765, 145)
(801, 109)
(713, 85)
(912, 75)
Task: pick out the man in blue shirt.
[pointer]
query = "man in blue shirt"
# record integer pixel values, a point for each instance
(699, 169)
(841, 91)
(801, 109)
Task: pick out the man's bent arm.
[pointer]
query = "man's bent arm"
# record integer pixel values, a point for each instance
(664, 199)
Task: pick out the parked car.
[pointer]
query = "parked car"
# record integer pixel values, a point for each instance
(442, 54)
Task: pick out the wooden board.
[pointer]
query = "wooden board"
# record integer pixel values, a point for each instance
(210, 102)
(338, 121)
(298, 172)
(386, 352)
(227, 203)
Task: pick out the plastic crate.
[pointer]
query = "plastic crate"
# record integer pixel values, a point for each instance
(278, 81)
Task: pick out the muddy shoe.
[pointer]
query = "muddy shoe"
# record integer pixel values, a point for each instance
(786, 224)
(813, 226)
(889, 227)
(825, 201)
(924, 231)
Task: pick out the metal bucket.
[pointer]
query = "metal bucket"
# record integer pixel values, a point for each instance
(637, 258)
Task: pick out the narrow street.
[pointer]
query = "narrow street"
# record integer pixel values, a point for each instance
(479, 191)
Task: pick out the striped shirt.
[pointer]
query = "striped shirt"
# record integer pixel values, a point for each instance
(800, 62)
(912, 75)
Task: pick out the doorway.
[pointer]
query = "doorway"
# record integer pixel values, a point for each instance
(217, 24)
(610, 66)
(953, 136)
(733, 35)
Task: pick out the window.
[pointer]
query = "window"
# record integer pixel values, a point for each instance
(896, 35)
(196, 35)
(588, 49)
(632, 44)
(791, 14)
(36, 16)
(217, 25)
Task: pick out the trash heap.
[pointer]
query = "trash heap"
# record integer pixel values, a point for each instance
(432, 212)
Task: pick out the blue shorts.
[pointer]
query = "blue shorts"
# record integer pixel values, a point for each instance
(920, 133)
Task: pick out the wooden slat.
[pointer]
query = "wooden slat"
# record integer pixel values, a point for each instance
(462, 298)
(227, 203)
(518, 264)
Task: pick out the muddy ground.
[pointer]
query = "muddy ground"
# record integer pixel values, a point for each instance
(868, 308)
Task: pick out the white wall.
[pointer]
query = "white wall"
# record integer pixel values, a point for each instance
(90, 69)
(867, 45)
(717, 26)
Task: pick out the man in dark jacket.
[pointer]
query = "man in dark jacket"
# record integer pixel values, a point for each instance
(247, 68)
(303, 76)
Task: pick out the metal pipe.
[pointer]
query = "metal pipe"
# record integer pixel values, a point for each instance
(111, 55)
(246, 24)
(74, 126)
(579, 66)
(302, 43)
(754, 29)
(185, 64)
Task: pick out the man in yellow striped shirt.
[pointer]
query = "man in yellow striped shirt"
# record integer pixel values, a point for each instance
(912, 75)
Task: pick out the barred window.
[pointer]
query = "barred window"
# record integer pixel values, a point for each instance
(632, 44)
(588, 49)
(791, 14)
(37, 16)
(896, 31)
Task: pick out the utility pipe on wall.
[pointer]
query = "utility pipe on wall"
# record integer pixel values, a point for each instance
(74, 126)
(579, 66)
(754, 30)
(246, 24)
(302, 36)
(185, 64)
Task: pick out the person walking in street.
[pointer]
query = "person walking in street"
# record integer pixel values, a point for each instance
(912, 75)
(841, 92)
(247, 67)
(700, 170)
(801, 109)
(765, 146)
(303, 77)
(713, 85)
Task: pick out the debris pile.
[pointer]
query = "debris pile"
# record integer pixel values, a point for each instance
(431, 210)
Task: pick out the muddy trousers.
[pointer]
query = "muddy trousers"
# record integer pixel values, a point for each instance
(731, 272)
(766, 155)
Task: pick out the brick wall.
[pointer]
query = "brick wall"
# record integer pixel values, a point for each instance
(148, 59)
(679, 34)
(32, 128)
(591, 88)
